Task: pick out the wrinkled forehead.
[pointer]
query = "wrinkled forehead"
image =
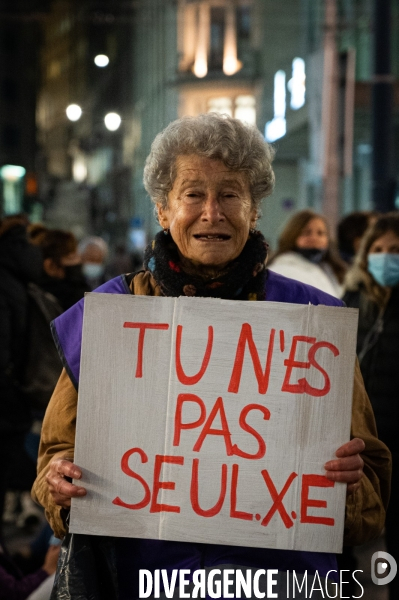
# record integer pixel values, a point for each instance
(194, 169)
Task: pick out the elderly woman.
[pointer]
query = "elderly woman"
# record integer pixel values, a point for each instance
(207, 176)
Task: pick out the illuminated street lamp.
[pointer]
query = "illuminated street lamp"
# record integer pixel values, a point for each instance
(12, 192)
(200, 68)
(101, 60)
(112, 121)
(73, 112)
(12, 172)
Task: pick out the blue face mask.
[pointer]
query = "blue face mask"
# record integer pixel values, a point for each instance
(384, 268)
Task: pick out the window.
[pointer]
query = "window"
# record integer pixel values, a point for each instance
(243, 22)
(245, 109)
(217, 38)
(241, 107)
(222, 105)
(214, 35)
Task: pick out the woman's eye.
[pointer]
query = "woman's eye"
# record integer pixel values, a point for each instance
(192, 197)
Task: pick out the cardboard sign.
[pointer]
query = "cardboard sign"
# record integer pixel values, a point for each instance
(210, 421)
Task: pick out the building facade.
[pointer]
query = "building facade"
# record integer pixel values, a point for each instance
(86, 65)
(301, 74)
(20, 37)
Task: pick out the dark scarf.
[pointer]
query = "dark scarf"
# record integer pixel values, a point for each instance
(314, 255)
(243, 279)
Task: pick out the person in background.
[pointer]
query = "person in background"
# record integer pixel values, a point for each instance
(43, 592)
(350, 231)
(305, 253)
(62, 279)
(93, 251)
(62, 274)
(20, 264)
(16, 586)
(372, 286)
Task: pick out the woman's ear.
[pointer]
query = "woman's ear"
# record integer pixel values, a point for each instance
(52, 269)
(163, 216)
(254, 218)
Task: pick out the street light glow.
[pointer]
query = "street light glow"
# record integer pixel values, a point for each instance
(12, 172)
(200, 68)
(74, 112)
(277, 127)
(112, 121)
(296, 84)
(101, 60)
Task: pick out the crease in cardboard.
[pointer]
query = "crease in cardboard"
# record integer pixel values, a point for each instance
(164, 515)
(300, 400)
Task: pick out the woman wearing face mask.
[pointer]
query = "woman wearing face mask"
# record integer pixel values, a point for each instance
(62, 266)
(304, 253)
(372, 286)
(60, 285)
(93, 251)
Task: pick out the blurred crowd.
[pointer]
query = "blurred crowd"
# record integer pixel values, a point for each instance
(45, 271)
(362, 268)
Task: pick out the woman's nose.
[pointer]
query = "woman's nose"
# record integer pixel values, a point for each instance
(211, 209)
(313, 238)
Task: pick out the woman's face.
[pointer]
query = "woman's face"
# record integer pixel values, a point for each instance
(209, 212)
(313, 235)
(56, 269)
(387, 243)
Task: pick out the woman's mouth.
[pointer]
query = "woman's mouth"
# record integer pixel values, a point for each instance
(212, 237)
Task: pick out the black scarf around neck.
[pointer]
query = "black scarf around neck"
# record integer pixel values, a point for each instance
(243, 279)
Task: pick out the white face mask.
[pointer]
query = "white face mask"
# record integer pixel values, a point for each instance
(92, 270)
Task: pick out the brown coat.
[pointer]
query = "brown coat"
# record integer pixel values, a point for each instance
(365, 509)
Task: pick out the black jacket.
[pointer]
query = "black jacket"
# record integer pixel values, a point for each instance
(20, 262)
(67, 291)
(378, 350)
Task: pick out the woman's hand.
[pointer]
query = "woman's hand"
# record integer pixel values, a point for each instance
(348, 466)
(62, 490)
